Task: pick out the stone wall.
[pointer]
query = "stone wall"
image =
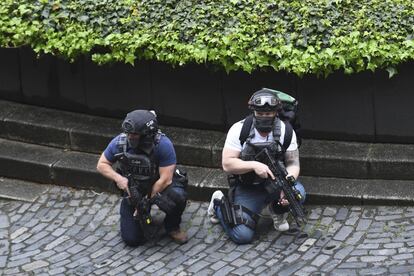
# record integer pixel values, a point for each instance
(360, 107)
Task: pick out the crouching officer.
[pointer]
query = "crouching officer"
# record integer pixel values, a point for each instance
(249, 181)
(147, 175)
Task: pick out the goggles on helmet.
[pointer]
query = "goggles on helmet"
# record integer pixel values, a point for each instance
(265, 99)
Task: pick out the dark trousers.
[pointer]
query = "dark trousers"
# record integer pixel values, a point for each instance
(131, 230)
(255, 198)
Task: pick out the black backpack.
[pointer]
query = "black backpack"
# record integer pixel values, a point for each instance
(288, 115)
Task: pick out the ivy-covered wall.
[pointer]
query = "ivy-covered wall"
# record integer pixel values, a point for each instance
(295, 36)
(196, 62)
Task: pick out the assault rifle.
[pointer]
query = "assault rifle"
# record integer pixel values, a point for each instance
(142, 204)
(281, 183)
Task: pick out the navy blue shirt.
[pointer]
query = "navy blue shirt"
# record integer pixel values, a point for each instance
(164, 151)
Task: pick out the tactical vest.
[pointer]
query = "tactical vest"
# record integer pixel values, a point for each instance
(139, 167)
(250, 150)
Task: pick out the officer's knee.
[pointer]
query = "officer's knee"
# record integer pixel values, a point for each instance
(301, 190)
(242, 234)
(179, 196)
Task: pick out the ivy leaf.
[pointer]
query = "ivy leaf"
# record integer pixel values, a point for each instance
(391, 71)
(329, 51)
(83, 18)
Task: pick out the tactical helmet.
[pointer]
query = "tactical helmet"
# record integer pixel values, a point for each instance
(141, 122)
(264, 100)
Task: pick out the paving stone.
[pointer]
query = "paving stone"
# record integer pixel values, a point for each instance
(118, 270)
(58, 257)
(12, 271)
(320, 260)
(371, 259)
(224, 271)
(401, 269)
(383, 252)
(218, 265)
(315, 214)
(44, 255)
(329, 211)
(4, 221)
(374, 271)
(351, 220)
(4, 247)
(4, 233)
(363, 224)
(368, 246)
(232, 256)
(74, 250)
(330, 265)
(344, 252)
(291, 268)
(57, 271)
(407, 256)
(359, 252)
(353, 265)
(355, 238)
(24, 255)
(344, 272)
(34, 265)
(343, 233)
(342, 214)
(239, 262)
(307, 270)
(242, 270)
(18, 232)
(3, 261)
(198, 266)
(386, 218)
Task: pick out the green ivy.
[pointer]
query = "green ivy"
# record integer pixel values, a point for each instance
(298, 36)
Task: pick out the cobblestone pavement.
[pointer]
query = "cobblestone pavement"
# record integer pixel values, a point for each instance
(76, 232)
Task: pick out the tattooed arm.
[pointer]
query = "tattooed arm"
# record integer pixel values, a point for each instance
(292, 163)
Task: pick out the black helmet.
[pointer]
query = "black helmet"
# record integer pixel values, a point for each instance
(264, 100)
(141, 122)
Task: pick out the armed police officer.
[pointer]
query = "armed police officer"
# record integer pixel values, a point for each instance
(248, 179)
(147, 175)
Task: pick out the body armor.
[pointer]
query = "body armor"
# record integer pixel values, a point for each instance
(250, 150)
(140, 168)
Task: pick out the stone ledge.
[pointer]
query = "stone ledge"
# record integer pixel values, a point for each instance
(15, 189)
(202, 148)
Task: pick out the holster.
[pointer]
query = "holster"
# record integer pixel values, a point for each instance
(169, 199)
(165, 203)
(233, 214)
(180, 178)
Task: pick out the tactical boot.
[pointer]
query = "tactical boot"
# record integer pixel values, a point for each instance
(179, 236)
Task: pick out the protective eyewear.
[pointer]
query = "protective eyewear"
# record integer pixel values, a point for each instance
(262, 100)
